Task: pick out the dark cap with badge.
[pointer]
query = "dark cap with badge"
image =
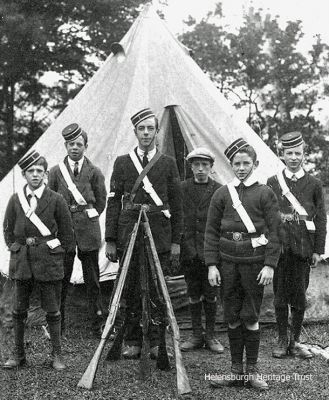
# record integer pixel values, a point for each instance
(141, 115)
(291, 139)
(200, 152)
(234, 148)
(31, 158)
(72, 132)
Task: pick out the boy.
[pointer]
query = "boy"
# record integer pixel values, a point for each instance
(82, 185)
(197, 192)
(304, 220)
(37, 230)
(241, 239)
(160, 191)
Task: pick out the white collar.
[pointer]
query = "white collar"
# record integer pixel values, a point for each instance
(150, 154)
(299, 174)
(38, 192)
(248, 182)
(71, 163)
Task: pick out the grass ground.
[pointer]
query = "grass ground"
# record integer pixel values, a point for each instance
(119, 380)
(291, 378)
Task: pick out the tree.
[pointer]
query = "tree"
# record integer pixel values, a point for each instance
(37, 36)
(261, 69)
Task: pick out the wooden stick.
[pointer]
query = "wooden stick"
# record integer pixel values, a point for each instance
(88, 377)
(183, 385)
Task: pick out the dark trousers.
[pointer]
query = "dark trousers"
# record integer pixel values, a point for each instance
(196, 278)
(134, 334)
(241, 294)
(90, 270)
(290, 281)
(50, 293)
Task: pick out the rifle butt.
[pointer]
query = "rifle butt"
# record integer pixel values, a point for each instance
(183, 385)
(87, 379)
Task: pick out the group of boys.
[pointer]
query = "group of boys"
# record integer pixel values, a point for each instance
(241, 236)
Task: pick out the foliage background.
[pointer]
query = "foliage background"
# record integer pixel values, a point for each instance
(259, 68)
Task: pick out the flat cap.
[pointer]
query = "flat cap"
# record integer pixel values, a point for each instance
(200, 152)
(234, 148)
(31, 158)
(71, 132)
(291, 139)
(141, 115)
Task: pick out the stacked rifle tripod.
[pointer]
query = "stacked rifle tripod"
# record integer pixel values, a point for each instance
(148, 265)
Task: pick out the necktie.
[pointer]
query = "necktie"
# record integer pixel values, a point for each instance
(76, 169)
(33, 201)
(145, 159)
(294, 178)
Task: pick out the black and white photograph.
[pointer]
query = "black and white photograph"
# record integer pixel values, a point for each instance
(164, 199)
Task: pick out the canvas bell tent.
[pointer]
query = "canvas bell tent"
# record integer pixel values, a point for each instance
(151, 68)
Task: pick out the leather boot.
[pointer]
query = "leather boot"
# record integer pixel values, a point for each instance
(254, 379)
(281, 348)
(132, 352)
(212, 343)
(294, 348)
(18, 357)
(54, 324)
(196, 341)
(236, 378)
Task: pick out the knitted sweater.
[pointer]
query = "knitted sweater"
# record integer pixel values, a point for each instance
(308, 191)
(262, 207)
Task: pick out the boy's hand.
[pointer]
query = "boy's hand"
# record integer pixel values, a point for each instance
(316, 258)
(213, 276)
(265, 277)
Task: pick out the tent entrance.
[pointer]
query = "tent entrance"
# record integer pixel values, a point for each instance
(171, 140)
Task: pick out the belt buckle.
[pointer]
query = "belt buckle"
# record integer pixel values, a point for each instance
(73, 208)
(30, 241)
(237, 236)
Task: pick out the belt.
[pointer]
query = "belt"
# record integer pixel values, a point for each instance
(294, 217)
(79, 208)
(34, 240)
(146, 207)
(238, 236)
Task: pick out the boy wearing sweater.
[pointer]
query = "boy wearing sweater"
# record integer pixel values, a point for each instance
(241, 251)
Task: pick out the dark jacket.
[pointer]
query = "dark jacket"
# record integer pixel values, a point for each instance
(40, 261)
(165, 180)
(262, 207)
(91, 184)
(195, 218)
(308, 191)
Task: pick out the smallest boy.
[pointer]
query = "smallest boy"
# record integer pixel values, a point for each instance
(241, 251)
(37, 230)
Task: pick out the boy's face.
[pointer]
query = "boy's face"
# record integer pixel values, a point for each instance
(145, 132)
(294, 157)
(201, 169)
(76, 148)
(243, 166)
(35, 176)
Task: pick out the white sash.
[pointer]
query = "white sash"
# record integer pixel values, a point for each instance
(31, 215)
(146, 182)
(71, 186)
(237, 205)
(293, 201)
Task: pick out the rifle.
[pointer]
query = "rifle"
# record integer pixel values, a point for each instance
(89, 375)
(183, 385)
(114, 352)
(162, 359)
(145, 368)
